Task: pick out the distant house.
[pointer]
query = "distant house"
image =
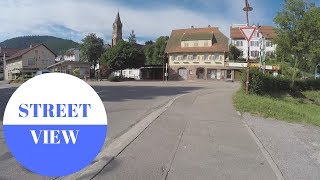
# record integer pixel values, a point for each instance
(72, 55)
(27, 62)
(8, 52)
(263, 38)
(69, 67)
(197, 53)
(59, 58)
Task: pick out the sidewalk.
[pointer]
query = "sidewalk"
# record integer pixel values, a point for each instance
(199, 137)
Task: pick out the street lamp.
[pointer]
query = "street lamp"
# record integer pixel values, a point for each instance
(165, 66)
(247, 9)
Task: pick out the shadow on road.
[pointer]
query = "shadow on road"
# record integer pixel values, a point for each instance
(126, 93)
(115, 93)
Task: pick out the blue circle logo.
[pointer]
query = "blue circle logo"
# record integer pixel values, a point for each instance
(55, 124)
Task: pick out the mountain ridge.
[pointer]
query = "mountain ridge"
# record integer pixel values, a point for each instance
(56, 44)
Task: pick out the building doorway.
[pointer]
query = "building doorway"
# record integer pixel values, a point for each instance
(200, 73)
(212, 74)
(183, 73)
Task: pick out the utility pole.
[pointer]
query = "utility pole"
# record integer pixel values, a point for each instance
(247, 9)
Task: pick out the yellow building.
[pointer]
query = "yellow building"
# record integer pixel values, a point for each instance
(198, 53)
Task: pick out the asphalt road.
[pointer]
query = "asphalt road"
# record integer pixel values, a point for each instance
(126, 103)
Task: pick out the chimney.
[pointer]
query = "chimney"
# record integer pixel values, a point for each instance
(30, 45)
(192, 27)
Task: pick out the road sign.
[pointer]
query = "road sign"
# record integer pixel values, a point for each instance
(247, 32)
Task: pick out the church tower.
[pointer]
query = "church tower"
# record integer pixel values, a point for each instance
(117, 30)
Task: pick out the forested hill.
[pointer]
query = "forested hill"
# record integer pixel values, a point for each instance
(57, 45)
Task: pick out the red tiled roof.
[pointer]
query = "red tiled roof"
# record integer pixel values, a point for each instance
(267, 31)
(24, 51)
(220, 41)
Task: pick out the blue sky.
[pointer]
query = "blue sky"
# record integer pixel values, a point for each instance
(73, 19)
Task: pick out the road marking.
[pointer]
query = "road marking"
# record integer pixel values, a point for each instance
(119, 144)
(265, 153)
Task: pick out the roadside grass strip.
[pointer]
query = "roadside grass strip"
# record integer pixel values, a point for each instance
(281, 106)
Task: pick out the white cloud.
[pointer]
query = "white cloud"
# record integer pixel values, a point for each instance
(20, 17)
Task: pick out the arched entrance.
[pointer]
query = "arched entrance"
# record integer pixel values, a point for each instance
(183, 73)
(200, 73)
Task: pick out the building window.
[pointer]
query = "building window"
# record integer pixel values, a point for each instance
(213, 57)
(206, 57)
(269, 44)
(195, 44)
(31, 62)
(185, 57)
(254, 53)
(179, 58)
(254, 43)
(173, 58)
(270, 53)
(195, 57)
(239, 43)
(186, 44)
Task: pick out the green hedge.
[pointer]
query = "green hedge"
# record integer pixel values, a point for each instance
(266, 84)
(115, 78)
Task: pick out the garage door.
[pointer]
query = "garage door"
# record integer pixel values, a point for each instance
(183, 73)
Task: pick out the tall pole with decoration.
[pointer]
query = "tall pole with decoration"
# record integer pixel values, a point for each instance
(247, 9)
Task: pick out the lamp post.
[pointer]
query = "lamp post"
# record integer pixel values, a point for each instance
(247, 9)
(165, 67)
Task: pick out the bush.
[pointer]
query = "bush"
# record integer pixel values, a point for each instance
(76, 72)
(115, 78)
(267, 84)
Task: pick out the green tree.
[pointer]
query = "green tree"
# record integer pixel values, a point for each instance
(123, 55)
(155, 51)
(234, 52)
(149, 42)
(311, 33)
(91, 49)
(290, 38)
(132, 37)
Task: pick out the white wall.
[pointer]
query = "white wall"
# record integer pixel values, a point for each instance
(257, 37)
(75, 57)
(129, 73)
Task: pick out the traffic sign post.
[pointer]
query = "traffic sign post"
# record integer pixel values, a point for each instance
(247, 33)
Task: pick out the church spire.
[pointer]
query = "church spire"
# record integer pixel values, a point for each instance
(117, 20)
(117, 30)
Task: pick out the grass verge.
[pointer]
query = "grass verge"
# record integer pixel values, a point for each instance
(281, 106)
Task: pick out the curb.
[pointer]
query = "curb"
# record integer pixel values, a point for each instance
(265, 153)
(118, 145)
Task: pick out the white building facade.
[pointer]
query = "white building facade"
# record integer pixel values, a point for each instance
(72, 55)
(262, 40)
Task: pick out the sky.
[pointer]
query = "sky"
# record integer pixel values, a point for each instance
(73, 19)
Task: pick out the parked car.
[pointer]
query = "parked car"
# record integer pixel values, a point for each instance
(44, 71)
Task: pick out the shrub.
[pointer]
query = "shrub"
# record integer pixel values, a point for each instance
(115, 78)
(267, 84)
(76, 72)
